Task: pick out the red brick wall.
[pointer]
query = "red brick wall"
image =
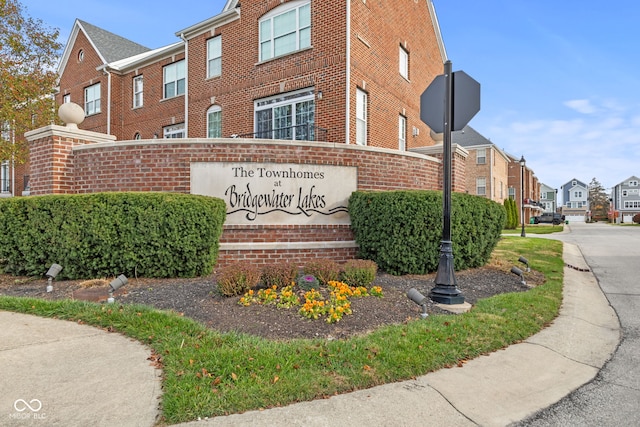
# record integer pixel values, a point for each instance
(244, 78)
(69, 164)
(378, 31)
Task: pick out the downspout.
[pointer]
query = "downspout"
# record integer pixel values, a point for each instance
(13, 159)
(186, 85)
(105, 71)
(347, 115)
(108, 103)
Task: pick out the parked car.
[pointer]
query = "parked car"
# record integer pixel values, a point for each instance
(549, 218)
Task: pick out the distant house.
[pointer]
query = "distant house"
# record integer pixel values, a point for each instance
(548, 198)
(626, 199)
(487, 166)
(575, 196)
(524, 188)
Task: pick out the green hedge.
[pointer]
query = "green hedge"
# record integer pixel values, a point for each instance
(401, 230)
(106, 234)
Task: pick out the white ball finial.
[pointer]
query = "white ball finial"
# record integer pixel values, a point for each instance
(71, 114)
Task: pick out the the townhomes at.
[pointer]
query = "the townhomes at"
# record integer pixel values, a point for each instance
(625, 199)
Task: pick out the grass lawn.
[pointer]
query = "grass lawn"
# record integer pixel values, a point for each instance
(208, 373)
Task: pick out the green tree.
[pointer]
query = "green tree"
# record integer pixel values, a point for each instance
(29, 51)
(598, 200)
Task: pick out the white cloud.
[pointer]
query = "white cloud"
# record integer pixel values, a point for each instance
(582, 106)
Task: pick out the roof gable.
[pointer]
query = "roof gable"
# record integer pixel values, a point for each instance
(111, 47)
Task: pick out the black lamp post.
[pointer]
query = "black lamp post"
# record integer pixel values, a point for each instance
(523, 162)
(445, 290)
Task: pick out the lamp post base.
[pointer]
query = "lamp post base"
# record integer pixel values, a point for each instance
(446, 291)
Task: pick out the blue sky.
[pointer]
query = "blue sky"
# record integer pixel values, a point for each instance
(560, 79)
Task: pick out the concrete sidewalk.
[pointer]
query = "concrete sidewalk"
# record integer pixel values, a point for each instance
(59, 373)
(75, 375)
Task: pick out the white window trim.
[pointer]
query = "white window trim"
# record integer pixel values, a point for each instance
(483, 156)
(165, 82)
(402, 133)
(278, 11)
(66, 98)
(281, 100)
(481, 186)
(404, 62)
(361, 116)
(91, 101)
(214, 109)
(5, 184)
(138, 92)
(173, 131)
(211, 59)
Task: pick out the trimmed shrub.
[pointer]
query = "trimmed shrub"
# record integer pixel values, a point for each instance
(636, 218)
(359, 272)
(280, 274)
(106, 234)
(325, 270)
(236, 279)
(401, 230)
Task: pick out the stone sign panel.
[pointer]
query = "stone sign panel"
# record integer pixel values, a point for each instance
(278, 193)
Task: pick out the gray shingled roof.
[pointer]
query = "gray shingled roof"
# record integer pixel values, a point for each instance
(111, 46)
(468, 137)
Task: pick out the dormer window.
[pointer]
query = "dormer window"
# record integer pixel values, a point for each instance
(285, 29)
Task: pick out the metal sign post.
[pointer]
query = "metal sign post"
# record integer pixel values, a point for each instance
(456, 111)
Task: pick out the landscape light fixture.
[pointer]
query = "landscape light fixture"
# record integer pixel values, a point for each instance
(525, 262)
(419, 299)
(116, 284)
(51, 274)
(518, 272)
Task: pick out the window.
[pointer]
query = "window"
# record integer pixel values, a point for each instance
(4, 177)
(361, 117)
(174, 79)
(577, 194)
(402, 133)
(66, 99)
(214, 56)
(512, 193)
(481, 157)
(174, 131)
(624, 193)
(285, 29)
(633, 183)
(138, 84)
(137, 136)
(632, 204)
(404, 63)
(92, 99)
(481, 186)
(286, 116)
(214, 122)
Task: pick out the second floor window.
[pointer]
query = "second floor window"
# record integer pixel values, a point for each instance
(137, 91)
(174, 79)
(92, 99)
(66, 99)
(214, 57)
(286, 29)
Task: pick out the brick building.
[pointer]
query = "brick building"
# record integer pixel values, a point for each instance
(340, 71)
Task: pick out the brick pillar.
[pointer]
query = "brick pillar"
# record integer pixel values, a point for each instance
(51, 157)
